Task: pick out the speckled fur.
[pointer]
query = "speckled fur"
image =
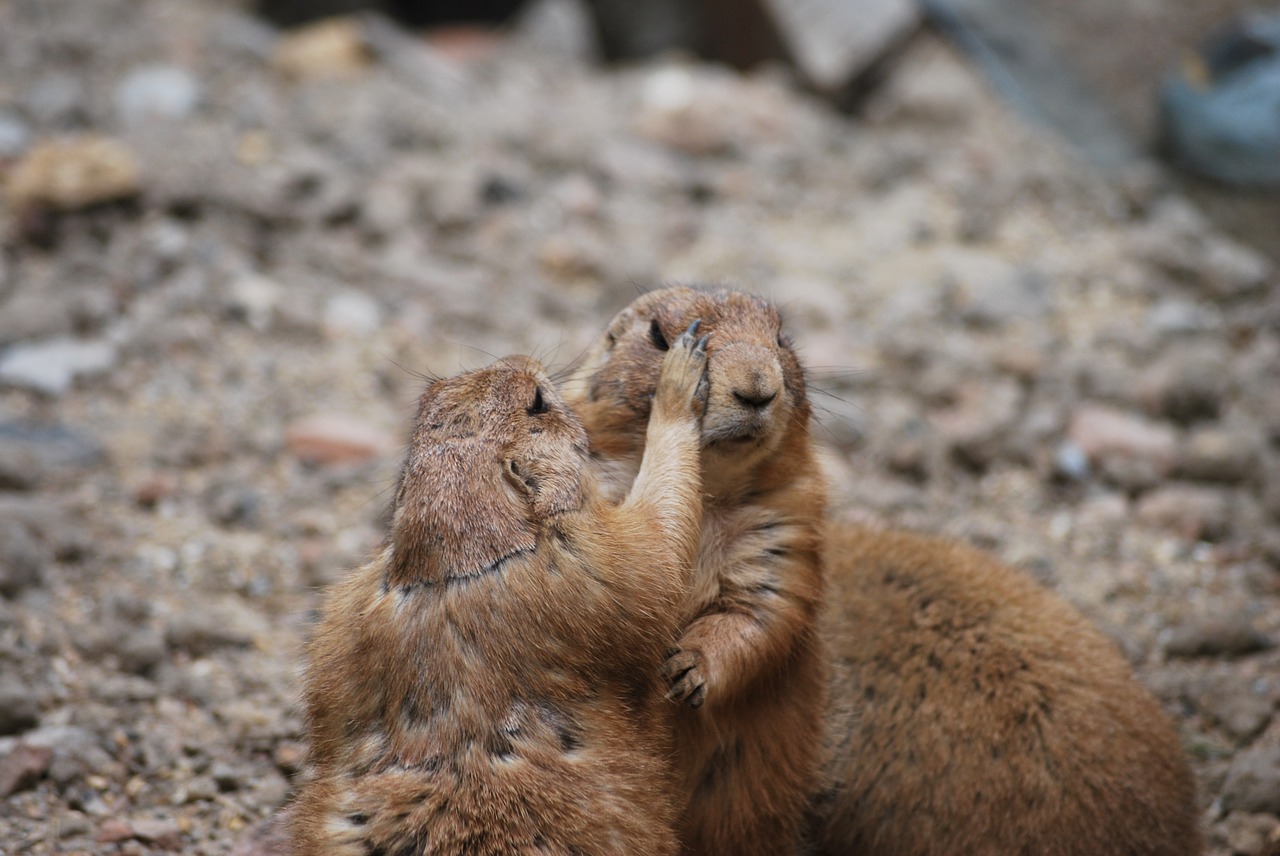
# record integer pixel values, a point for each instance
(487, 684)
(750, 671)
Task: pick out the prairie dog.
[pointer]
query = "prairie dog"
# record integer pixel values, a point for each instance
(749, 671)
(487, 684)
(969, 711)
(976, 712)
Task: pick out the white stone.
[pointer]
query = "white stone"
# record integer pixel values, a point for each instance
(51, 366)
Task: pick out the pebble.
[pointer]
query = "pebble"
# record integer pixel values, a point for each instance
(233, 504)
(198, 789)
(74, 172)
(139, 649)
(1187, 385)
(34, 314)
(202, 630)
(15, 135)
(1132, 451)
(76, 753)
(988, 291)
(1217, 638)
(332, 48)
(55, 99)
(1235, 704)
(1220, 455)
(1071, 461)
(1253, 781)
(1195, 513)
(52, 366)
(253, 298)
(333, 439)
(19, 707)
(31, 452)
(1173, 317)
(22, 766)
(352, 312)
(154, 92)
(21, 560)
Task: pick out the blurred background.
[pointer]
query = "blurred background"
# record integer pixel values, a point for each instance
(1028, 252)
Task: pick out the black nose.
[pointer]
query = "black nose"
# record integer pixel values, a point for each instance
(756, 400)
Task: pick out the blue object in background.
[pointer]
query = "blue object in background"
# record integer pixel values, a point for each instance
(1221, 107)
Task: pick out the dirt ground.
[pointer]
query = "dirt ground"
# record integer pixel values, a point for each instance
(204, 386)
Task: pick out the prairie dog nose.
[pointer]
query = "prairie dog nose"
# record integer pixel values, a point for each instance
(751, 375)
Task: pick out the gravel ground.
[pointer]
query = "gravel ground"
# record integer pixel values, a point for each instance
(213, 311)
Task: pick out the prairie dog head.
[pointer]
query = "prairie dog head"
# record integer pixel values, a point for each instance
(757, 388)
(494, 453)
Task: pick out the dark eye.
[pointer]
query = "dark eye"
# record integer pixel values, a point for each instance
(538, 405)
(655, 336)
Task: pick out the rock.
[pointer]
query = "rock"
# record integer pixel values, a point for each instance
(156, 92)
(1220, 455)
(254, 298)
(1131, 451)
(333, 48)
(1187, 385)
(31, 452)
(1195, 513)
(975, 426)
(198, 789)
(34, 314)
(73, 173)
(1217, 638)
(15, 135)
(1241, 706)
(1230, 269)
(164, 834)
(201, 631)
(1253, 781)
(76, 753)
(21, 560)
(332, 439)
(233, 504)
(55, 99)
(22, 766)
(835, 42)
(19, 707)
(987, 291)
(53, 365)
(352, 312)
(1172, 317)
(1070, 461)
(1251, 834)
(139, 649)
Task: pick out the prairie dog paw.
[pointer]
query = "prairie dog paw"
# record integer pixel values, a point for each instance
(683, 672)
(682, 383)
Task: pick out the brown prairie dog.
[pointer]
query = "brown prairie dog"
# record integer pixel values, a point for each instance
(750, 671)
(487, 684)
(970, 710)
(976, 712)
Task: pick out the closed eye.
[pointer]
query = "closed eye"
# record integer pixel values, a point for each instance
(655, 336)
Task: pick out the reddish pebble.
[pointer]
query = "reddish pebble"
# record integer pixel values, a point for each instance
(337, 439)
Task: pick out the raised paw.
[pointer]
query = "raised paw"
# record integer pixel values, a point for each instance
(682, 384)
(683, 672)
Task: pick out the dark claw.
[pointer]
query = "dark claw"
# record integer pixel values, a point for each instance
(701, 346)
(698, 697)
(693, 328)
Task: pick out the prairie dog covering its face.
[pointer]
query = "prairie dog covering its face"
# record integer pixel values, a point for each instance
(487, 684)
(750, 670)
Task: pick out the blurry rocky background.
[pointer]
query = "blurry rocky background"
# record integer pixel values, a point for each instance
(230, 248)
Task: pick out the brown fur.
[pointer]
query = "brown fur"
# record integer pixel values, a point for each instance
(750, 670)
(970, 710)
(487, 684)
(977, 713)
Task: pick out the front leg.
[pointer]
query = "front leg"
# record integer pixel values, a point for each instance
(764, 611)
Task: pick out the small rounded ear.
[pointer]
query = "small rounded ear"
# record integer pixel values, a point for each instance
(519, 479)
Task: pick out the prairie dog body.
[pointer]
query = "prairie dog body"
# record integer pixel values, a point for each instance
(969, 710)
(487, 684)
(750, 671)
(976, 712)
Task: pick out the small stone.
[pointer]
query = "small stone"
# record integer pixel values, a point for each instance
(332, 439)
(154, 488)
(165, 834)
(74, 173)
(1172, 316)
(1132, 451)
(156, 92)
(289, 757)
(1253, 781)
(113, 831)
(139, 649)
(227, 777)
(54, 99)
(331, 48)
(19, 708)
(1231, 269)
(990, 292)
(253, 298)
(352, 312)
(1220, 455)
(73, 824)
(1251, 834)
(53, 365)
(15, 135)
(199, 789)
(201, 631)
(21, 561)
(1242, 707)
(22, 767)
(1070, 461)
(233, 504)
(76, 753)
(1195, 513)
(1217, 638)
(1187, 385)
